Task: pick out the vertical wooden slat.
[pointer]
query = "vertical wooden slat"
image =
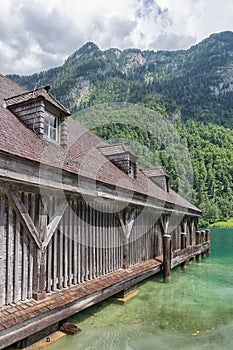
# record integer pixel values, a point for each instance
(90, 245)
(114, 243)
(9, 284)
(31, 211)
(97, 243)
(75, 241)
(61, 237)
(79, 267)
(104, 242)
(83, 240)
(30, 270)
(55, 251)
(65, 231)
(24, 265)
(70, 242)
(87, 244)
(49, 250)
(17, 292)
(2, 259)
(110, 242)
(100, 216)
(93, 225)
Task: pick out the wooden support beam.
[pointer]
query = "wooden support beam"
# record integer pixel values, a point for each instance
(23, 216)
(52, 226)
(39, 276)
(126, 220)
(164, 222)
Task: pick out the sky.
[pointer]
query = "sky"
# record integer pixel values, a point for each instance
(36, 35)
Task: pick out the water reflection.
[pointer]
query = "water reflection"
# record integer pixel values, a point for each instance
(195, 311)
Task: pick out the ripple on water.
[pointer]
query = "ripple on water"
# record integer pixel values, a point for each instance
(194, 311)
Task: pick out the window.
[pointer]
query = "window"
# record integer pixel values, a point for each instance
(50, 126)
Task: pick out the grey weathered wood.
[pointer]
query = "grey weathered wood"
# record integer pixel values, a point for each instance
(79, 266)
(55, 251)
(52, 226)
(25, 268)
(9, 272)
(49, 252)
(98, 246)
(23, 215)
(75, 241)
(65, 261)
(71, 242)
(2, 253)
(61, 237)
(183, 240)
(86, 230)
(166, 258)
(90, 245)
(17, 293)
(30, 268)
(83, 240)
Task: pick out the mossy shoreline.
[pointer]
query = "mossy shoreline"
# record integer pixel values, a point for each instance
(222, 224)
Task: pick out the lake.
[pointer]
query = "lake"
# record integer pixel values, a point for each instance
(194, 311)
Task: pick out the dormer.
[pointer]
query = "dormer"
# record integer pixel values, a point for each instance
(159, 177)
(42, 113)
(121, 156)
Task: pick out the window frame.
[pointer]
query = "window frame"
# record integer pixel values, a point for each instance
(49, 126)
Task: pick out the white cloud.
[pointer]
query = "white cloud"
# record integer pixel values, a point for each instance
(38, 34)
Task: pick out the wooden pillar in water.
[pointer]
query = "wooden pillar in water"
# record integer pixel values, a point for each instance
(166, 258)
(183, 246)
(198, 241)
(207, 235)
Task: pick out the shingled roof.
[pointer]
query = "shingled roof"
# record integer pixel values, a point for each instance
(82, 156)
(33, 94)
(154, 172)
(115, 149)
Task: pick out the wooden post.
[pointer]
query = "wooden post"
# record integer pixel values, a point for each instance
(166, 258)
(39, 276)
(198, 257)
(202, 236)
(183, 240)
(125, 253)
(126, 221)
(208, 235)
(183, 246)
(198, 237)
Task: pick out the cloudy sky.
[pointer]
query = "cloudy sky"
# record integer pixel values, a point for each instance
(39, 34)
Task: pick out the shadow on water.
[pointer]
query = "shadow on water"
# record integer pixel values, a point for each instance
(194, 311)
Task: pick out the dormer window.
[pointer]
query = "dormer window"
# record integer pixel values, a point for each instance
(121, 156)
(159, 177)
(51, 126)
(42, 113)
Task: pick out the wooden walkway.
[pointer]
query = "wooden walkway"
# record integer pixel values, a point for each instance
(26, 318)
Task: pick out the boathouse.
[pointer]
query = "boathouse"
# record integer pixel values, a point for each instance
(80, 221)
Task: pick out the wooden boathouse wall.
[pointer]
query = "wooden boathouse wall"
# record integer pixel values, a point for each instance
(49, 243)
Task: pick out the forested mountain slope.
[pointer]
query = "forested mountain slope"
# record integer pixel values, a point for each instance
(192, 89)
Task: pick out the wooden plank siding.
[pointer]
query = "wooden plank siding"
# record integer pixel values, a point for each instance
(81, 241)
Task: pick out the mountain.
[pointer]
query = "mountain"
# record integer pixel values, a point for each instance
(191, 89)
(196, 83)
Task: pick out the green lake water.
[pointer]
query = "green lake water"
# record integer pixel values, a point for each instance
(194, 311)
